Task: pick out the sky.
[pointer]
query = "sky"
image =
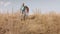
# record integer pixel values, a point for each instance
(43, 5)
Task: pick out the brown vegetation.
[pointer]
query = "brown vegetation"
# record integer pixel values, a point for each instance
(35, 24)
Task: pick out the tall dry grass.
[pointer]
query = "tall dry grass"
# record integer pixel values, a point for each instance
(35, 24)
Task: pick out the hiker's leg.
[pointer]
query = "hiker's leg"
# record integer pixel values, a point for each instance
(22, 12)
(24, 15)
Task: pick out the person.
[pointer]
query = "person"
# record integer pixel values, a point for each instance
(25, 10)
(22, 8)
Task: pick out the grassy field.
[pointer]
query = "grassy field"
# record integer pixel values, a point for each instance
(34, 24)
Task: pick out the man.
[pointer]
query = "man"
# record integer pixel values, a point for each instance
(22, 8)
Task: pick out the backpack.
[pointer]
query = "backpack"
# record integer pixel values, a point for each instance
(26, 7)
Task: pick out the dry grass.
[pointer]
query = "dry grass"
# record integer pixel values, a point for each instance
(35, 24)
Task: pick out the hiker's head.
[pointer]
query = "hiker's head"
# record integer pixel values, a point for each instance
(23, 4)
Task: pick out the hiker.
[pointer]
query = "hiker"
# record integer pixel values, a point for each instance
(24, 10)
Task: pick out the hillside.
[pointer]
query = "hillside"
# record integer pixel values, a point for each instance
(34, 24)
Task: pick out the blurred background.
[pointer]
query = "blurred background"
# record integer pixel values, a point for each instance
(44, 6)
